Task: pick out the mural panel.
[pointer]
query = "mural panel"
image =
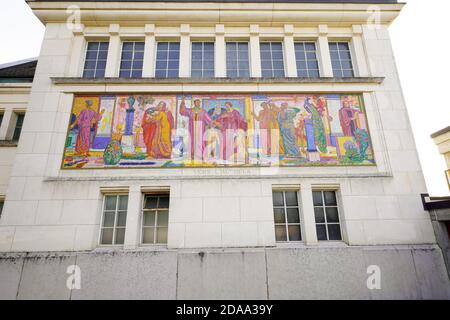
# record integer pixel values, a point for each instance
(205, 130)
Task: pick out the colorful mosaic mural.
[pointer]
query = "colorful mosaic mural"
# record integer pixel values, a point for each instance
(206, 130)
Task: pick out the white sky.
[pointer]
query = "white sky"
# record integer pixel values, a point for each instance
(421, 46)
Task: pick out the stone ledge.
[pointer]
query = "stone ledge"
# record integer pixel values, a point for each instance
(128, 81)
(8, 143)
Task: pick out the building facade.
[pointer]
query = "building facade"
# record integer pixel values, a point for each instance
(228, 149)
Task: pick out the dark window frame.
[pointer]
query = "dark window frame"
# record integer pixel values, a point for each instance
(18, 126)
(203, 72)
(97, 71)
(340, 71)
(132, 72)
(117, 212)
(285, 210)
(272, 71)
(240, 72)
(304, 53)
(172, 47)
(323, 206)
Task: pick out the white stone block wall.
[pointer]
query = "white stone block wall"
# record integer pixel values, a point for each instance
(48, 209)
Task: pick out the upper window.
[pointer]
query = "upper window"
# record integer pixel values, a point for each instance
(2, 202)
(326, 215)
(306, 58)
(18, 126)
(167, 60)
(155, 219)
(114, 219)
(286, 216)
(341, 59)
(132, 60)
(272, 64)
(95, 63)
(1, 118)
(202, 65)
(237, 60)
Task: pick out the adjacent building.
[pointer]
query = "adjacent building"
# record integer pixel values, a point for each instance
(219, 149)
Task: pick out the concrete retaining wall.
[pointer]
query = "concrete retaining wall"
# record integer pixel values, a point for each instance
(407, 272)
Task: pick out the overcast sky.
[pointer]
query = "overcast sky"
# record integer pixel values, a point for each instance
(421, 46)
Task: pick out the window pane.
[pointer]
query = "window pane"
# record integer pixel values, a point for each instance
(279, 215)
(120, 236)
(294, 233)
(319, 215)
(151, 202)
(148, 235)
(334, 232)
(123, 202)
(332, 214)
(161, 236)
(291, 199)
(163, 45)
(163, 218)
(330, 198)
(293, 216)
(149, 219)
(163, 202)
(280, 233)
(317, 198)
(321, 232)
(110, 202)
(121, 219)
(108, 219)
(278, 199)
(107, 235)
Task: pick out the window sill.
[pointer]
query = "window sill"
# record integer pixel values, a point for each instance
(284, 80)
(8, 143)
(303, 245)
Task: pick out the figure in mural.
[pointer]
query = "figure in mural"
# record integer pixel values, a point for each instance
(319, 129)
(86, 121)
(216, 112)
(286, 117)
(229, 123)
(199, 121)
(268, 124)
(157, 125)
(348, 117)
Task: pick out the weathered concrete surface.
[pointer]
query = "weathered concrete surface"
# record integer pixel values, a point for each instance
(407, 272)
(44, 277)
(216, 275)
(123, 275)
(316, 274)
(10, 270)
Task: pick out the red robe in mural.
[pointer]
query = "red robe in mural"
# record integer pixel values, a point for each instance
(157, 127)
(229, 123)
(348, 123)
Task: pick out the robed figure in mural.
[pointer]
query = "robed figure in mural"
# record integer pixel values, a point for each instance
(230, 123)
(269, 127)
(86, 121)
(199, 121)
(347, 117)
(157, 125)
(319, 128)
(286, 118)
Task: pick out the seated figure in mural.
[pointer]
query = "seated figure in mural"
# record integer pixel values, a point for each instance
(348, 118)
(286, 117)
(86, 121)
(157, 125)
(268, 124)
(230, 123)
(199, 121)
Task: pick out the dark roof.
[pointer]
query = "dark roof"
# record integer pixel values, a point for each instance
(250, 1)
(435, 203)
(18, 71)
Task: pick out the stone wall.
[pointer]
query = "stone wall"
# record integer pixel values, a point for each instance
(407, 272)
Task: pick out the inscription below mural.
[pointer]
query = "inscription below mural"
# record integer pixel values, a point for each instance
(204, 130)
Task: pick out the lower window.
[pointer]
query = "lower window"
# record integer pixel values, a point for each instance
(114, 219)
(286, 216)
(155, 218)
(327, 215)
